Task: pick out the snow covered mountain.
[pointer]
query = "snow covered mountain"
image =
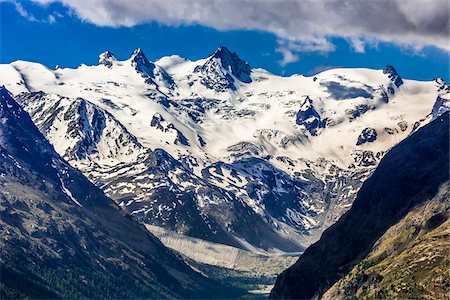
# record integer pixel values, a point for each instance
(217, 150)
(63, 238)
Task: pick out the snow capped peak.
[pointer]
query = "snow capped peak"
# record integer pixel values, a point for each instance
(221, 70)
(106, 58)
(138, 57)
(231, 62)
(152, 73)
(138, 51)
(168, 62)
(140, 62)
(393, 75)
(222, 51)
(300, 131)
(442, 86)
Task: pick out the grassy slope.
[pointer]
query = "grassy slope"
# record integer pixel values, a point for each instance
(410, 261)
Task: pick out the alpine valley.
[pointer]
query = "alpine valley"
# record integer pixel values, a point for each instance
(229, 165)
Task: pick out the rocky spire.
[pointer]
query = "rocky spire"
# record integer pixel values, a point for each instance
(106, 59)
(230, 61)
(393, 75)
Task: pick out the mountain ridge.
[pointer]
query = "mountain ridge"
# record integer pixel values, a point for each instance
(250, 142)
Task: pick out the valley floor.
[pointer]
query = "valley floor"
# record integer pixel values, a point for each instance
(255, 271)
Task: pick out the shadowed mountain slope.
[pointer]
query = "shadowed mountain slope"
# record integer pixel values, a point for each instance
(62, 238)
(410, 175)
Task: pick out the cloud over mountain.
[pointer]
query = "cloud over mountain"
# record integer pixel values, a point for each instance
(301, 26)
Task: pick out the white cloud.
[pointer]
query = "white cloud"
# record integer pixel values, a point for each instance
(28, 16)
(289, 49)
(308, 24)
(358, 45)
(288, 56)
(51, 19)
(23, 12)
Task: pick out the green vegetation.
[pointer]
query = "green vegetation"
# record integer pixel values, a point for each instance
(73, 281)
(410, 261)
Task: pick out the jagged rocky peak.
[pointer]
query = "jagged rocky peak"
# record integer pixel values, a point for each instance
(230, 61)
(140, 62)
(393, 75)
(152, 73)
(106, 59)
(222, 68)
(441, 106)
(442, 103)
(309, 117)
(442, 85)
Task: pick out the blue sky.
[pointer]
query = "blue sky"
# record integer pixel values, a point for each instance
(54, 34)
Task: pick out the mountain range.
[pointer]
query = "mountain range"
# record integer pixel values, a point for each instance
(230, 166)
(217, 150)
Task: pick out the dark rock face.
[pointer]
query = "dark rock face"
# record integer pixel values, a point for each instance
(366, 158)
(63, 238)
(180, 139)
(409, 175)
(218, 69)
(393, 76)
(358, 111)
(141, 63)
(440, 106)
(156, 121)
(230, 61)
(368, 135)
(309, 117)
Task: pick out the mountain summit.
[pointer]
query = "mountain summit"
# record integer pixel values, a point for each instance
(230, 61)
(140, 61)
(152, 73)
(393, 75)
(106, 59)
(222, 69)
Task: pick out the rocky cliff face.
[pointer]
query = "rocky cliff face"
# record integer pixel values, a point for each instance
(400, 210)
